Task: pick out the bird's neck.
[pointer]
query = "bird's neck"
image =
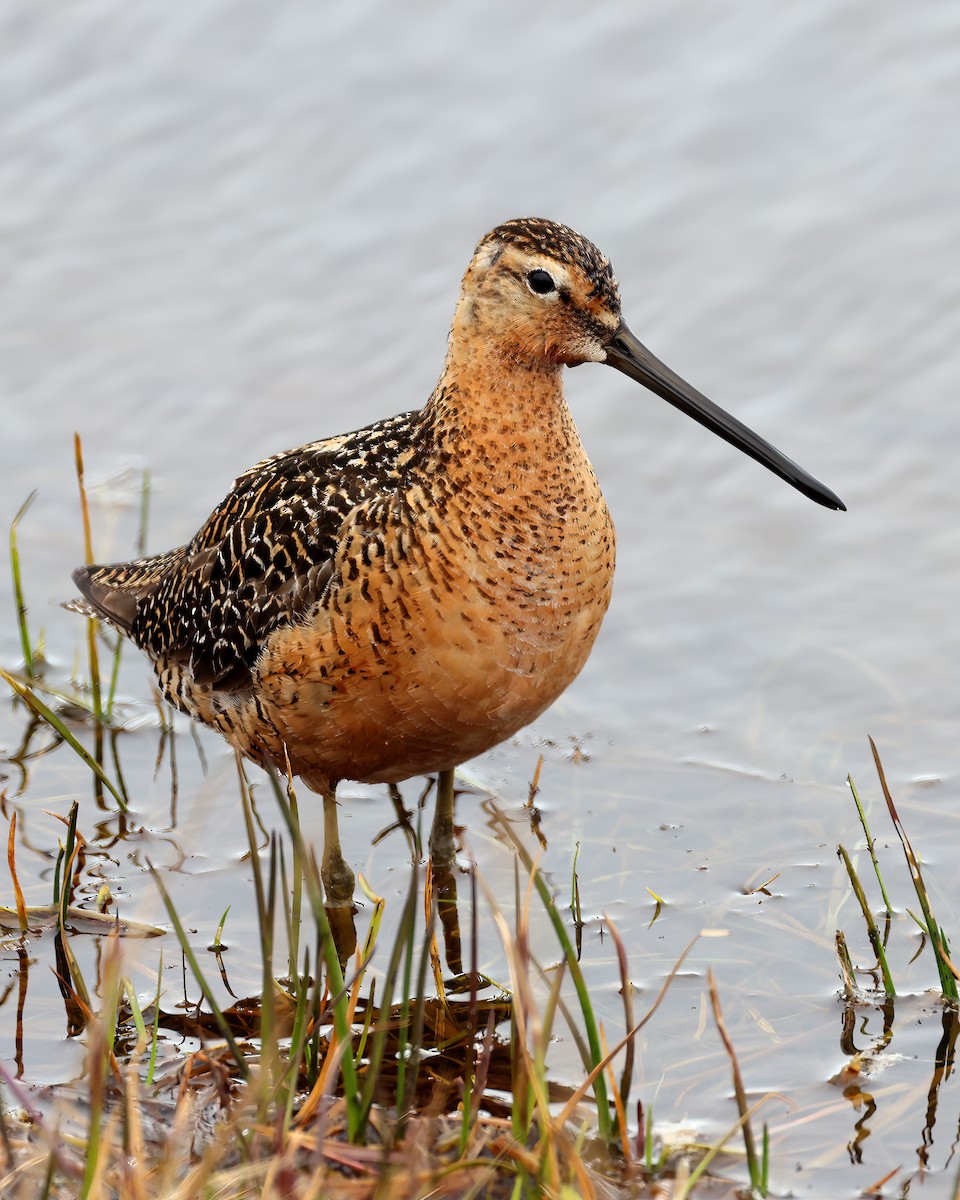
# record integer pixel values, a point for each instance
(506, 407)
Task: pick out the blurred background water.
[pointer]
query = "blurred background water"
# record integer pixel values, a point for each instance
(227, 229)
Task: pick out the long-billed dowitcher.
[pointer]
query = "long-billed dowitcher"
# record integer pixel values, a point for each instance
(393, 601)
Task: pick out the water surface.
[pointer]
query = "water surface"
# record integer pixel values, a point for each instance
(226, 231)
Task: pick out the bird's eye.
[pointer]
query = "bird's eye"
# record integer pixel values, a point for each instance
(541, 282)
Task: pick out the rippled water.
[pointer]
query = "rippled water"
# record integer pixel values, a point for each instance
(226, 230)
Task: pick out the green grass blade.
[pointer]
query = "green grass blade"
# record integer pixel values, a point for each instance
(152, 1066)
(941, 948)
(648, 1142)
(871, 846)
(141, 545)
(92, 623)
(604, 1116)
(33, 701)
(145, 483)
(114, 678)
(135, 1011)
(347, 1065)
(101, 1051)
(381, 1030)
(28, 664)
(222, 1023)
(701, 1168)
(872, 932)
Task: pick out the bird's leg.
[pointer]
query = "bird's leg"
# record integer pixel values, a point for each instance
(443, 842)
(343, 927)
(443, 847)
(338, 879)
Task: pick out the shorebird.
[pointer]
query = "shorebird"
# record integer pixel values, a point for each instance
(393, 601)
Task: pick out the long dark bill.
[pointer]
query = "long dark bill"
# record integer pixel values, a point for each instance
(629, 355)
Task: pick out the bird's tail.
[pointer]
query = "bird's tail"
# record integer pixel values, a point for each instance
(113, 592)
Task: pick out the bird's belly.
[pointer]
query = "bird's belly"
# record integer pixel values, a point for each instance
(425, 668)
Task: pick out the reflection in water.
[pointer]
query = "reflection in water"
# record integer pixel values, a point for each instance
(463, 1004)
(66, 976)
(859, 1099)
(443, 884)
(343, 929)
(867, 1062)
(849, 1023)
(23, 755)
(22, 981)
(942, 1069)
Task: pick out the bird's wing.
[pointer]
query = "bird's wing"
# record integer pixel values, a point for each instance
(264, 556)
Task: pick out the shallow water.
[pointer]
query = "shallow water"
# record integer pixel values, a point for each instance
(225, 232)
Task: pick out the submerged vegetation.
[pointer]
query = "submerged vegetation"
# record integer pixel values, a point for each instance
(337, 1079)
(376, 1057)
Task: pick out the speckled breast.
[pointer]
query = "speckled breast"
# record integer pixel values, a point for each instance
(453, 620)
